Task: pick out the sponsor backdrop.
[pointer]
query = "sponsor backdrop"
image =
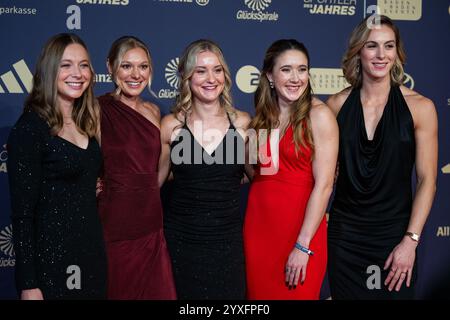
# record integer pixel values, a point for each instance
(244, 29)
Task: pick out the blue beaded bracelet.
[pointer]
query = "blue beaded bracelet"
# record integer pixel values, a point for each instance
(303, 249)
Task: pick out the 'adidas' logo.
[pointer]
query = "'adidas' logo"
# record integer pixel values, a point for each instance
(10, 81)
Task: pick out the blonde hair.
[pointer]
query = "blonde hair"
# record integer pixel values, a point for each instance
(115, 57)
(186, 66)
(266, 98)
(43, 97)
(351, 63)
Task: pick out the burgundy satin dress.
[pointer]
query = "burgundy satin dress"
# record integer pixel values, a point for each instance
(139, 266)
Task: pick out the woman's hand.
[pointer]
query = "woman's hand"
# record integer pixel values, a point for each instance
(98, 187)
(296, 268)
(401, 262)
(32, 294)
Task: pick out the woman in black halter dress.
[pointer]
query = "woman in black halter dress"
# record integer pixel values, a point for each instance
(203, 223)
(385, 130)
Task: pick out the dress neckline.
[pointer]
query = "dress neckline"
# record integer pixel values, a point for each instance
(230, 126)
(74, 144)
(378, 125)
(124, 105)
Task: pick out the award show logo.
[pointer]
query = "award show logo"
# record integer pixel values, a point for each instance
(401, 9)
(257, 13)
(105, 2)
(327, 80)
(7, 248)
(10, 82)
(331, 7)
(3, 159)
(171, 75)
(247, 78)
(201, 3)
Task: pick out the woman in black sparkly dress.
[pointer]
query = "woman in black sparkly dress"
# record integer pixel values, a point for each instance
(203, 224)
(53, 166)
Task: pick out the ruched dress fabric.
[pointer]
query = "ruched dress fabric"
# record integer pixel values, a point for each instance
(57, 232)
(274, 217)
(373, 198)
(203, 224)
(130, 208)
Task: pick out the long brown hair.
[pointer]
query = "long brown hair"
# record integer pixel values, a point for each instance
(186, 68)
(43, 97)
(266, 98)
(351, 63)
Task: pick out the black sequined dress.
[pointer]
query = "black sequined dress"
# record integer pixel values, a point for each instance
(56, 229)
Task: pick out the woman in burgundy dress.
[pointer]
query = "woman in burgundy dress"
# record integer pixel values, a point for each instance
(139, 266)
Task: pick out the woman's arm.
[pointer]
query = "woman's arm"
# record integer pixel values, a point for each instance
(241, 123)
(401, 259)
(167, 125)
(25, 175)
(326, 143)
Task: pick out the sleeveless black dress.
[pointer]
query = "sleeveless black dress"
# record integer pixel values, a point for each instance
(373, 199)
(203, 224)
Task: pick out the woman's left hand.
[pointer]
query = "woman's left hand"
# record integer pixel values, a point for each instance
(98, 187)
(296, 268)
(401, 261)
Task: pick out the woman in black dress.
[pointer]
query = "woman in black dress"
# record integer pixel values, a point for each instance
(53, 164)
(203, 140)
(384, 130)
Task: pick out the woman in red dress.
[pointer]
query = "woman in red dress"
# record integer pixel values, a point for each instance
(139, 265)
(285, 227)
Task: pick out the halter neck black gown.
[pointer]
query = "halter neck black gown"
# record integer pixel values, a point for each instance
(203, 224)
(373, 199)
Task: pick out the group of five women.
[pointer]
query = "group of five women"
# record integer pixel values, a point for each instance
(104, 217)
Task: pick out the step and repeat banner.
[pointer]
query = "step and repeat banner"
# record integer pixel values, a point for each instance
(244, 29)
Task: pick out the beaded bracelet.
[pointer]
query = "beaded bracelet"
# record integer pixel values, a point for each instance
(303, 249)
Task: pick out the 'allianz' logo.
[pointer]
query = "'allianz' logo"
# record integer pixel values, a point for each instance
(6, 242)
(446, 169)
(10, 80)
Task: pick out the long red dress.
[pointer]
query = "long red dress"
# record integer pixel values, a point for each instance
(275, 211)
(139, 265)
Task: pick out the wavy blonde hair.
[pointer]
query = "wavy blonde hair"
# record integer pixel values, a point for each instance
(266, 98)
(115, 57)
(351, 63)
(186, 67)
(43, 97)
